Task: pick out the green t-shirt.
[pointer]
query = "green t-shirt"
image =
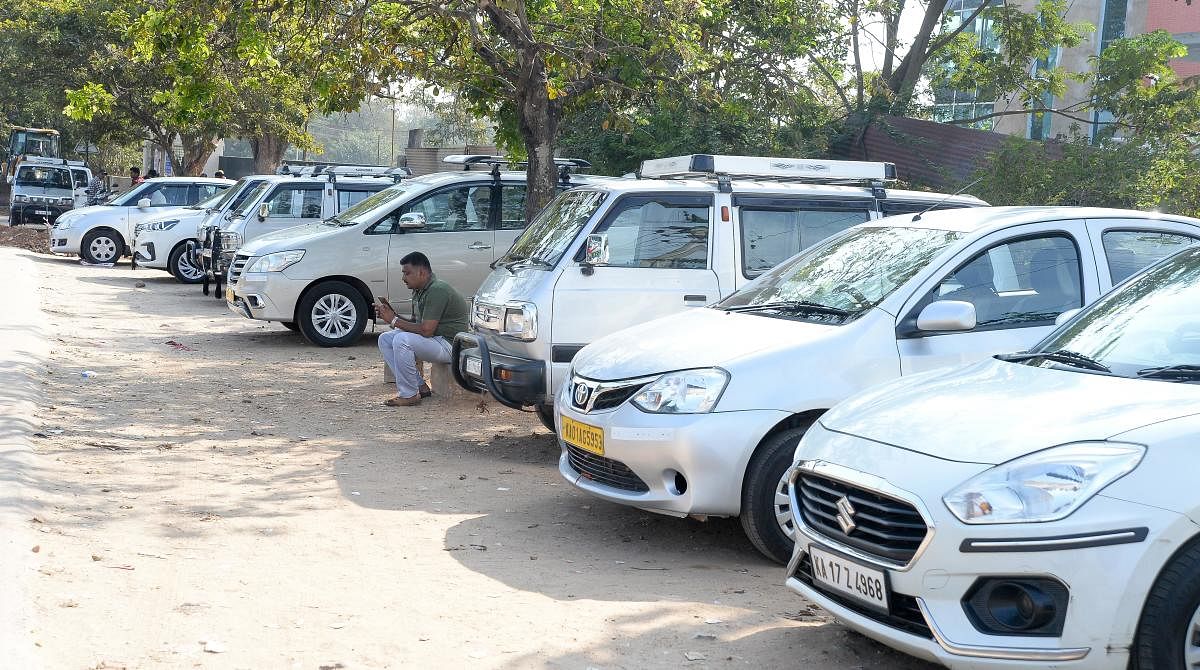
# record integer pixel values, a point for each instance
(440, 302)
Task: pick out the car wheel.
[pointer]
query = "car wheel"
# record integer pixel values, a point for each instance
(766, 508)
(180, 264)
(546, 414)
(333, 314)
(101, 246)
(291, 325)
(14, 219)
(1168, 634)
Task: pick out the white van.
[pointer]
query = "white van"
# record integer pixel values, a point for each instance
(43, 189)
(691, 231)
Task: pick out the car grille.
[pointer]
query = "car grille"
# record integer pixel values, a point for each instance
(597, 396)
(237, 267)
(610, 398)
(903, 612)
(887, 528)
(487, 316)
(605, 470)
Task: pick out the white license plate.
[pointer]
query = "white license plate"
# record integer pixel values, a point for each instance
(850, 578)
(42, 211)
(474, 366)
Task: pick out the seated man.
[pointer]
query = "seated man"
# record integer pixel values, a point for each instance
(440, 314)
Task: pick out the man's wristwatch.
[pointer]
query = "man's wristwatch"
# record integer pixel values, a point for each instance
(393, 321)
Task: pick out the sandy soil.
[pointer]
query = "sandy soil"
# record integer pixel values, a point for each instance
(223, 495)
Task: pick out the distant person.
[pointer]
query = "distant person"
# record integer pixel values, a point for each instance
(97, 188)
(219, 174)
(152, 174)
(439, 313)
(135, 175)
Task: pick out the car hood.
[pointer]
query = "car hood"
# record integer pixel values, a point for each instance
(697, 338)
(187, 216)
(92, 214)
(296, 237)
(992, 412)
(502, 286)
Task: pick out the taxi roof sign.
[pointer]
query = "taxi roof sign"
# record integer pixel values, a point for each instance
(764, 167)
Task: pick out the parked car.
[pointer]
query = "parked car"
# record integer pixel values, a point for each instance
(322, 278)
(44, 188)
(1037, 508)
(699, 413)
(291, 198)
(689, 232)
(166, 242)
(101, 233)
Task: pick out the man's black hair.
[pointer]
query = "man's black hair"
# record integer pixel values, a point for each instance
(417, 259)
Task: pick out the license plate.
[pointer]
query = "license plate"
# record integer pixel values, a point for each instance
(474, 366)
(588, 438)
(228, 294)
(849, 578)
(42, 211)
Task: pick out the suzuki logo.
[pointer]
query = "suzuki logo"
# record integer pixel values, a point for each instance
(581, 395)
(845, 515)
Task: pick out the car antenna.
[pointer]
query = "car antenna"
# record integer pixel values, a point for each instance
(917, 216)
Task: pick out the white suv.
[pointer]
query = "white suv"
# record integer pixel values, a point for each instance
(699, 413)
(321, 278)
(101, 233)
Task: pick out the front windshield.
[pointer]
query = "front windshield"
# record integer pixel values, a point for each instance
(1149, 322)
(212, 200)
(850, 272)
(222, 198)
(43, 177)
(131, 196)
(252, 199)
(547, 238)
(364, 210)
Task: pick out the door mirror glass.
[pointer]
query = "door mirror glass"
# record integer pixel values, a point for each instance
(947, 315)
(411, 221)
(264, 210)
(1066, 316)
(144, 203)
(596, 250)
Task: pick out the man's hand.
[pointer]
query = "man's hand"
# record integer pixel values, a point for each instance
(384, 312)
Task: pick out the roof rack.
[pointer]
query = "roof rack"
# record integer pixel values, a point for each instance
(344, 170)
(762, 167)
(565, 165)
(45, 160)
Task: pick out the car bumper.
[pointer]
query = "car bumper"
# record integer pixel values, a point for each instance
(64, 241)
(514, 381)
(709, 451)
(37, 212)
(267, 296)
(928, 596)
(151, 249)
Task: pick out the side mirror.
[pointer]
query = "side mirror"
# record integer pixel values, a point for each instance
(947, 315)
(144, 203)
(264, 210)
(411, 221)
(1066, 316)
(595, 250)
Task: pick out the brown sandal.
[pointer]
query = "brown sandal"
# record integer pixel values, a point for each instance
(403, 402)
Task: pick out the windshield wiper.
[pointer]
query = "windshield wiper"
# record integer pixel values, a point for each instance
(1060, 356)
(791, 305)
(333, 221)
(1185, 372)
(512, 264)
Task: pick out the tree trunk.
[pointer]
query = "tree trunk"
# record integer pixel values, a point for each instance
(268, 152)
(197, 148)
(903, 81)
(538, 118)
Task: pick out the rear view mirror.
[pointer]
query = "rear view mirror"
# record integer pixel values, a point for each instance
(264, 210)
(947, 315)
(144, 203)
(1066, 316)
(595, 251)
(411, 221)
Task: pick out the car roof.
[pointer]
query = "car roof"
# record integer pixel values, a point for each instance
(768, 187)
(189, 180)
(323, 179)
(983, 220)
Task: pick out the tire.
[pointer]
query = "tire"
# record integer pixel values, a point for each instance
(546, 414)
(102, 245)
(291, 325)
(14, 219)
(1168, 632)
(766, 517)
(180, 265)
(332, 314)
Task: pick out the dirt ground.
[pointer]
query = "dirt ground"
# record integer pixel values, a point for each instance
(219, 494)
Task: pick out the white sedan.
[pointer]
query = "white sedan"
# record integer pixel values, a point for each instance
(1033, 510)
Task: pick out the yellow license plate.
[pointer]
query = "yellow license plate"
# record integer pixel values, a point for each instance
(588, 438)
(228, 294)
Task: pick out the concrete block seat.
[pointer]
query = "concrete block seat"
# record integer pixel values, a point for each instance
(439, 378)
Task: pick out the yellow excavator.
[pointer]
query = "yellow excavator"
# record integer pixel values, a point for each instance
(26, 142)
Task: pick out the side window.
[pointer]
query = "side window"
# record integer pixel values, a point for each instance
(770, 236)
(80, 178)
(512, 209)
(347, 199)
(659, 232)
(168, 195)
(295, 202)
(1017, 284)
(456, 209)
(206, 191)
(1129, 251)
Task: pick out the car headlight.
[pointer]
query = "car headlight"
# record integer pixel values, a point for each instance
(685, 392)
(66, 201)
(1044, 486)
(520, 321)
(276, 262)
(20, 198)
(64, 222)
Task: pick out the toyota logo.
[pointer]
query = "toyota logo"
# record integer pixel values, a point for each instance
(845, 515)
(581, 395)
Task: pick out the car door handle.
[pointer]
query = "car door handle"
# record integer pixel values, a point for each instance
(480, 245)
(695, 298)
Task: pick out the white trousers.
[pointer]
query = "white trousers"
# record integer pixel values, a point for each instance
(401, 350)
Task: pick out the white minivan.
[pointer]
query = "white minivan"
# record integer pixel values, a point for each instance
(688, 232)
(43, 189)
(699, 413)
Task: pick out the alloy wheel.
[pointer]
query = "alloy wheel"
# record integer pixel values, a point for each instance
(1191, 642)
(334, 316)
(783, 508)
(187, 269)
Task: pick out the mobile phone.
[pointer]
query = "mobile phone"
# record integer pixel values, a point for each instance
(385, 303)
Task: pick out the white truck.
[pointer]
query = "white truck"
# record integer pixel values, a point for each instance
(43, 189)
(690, 231)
